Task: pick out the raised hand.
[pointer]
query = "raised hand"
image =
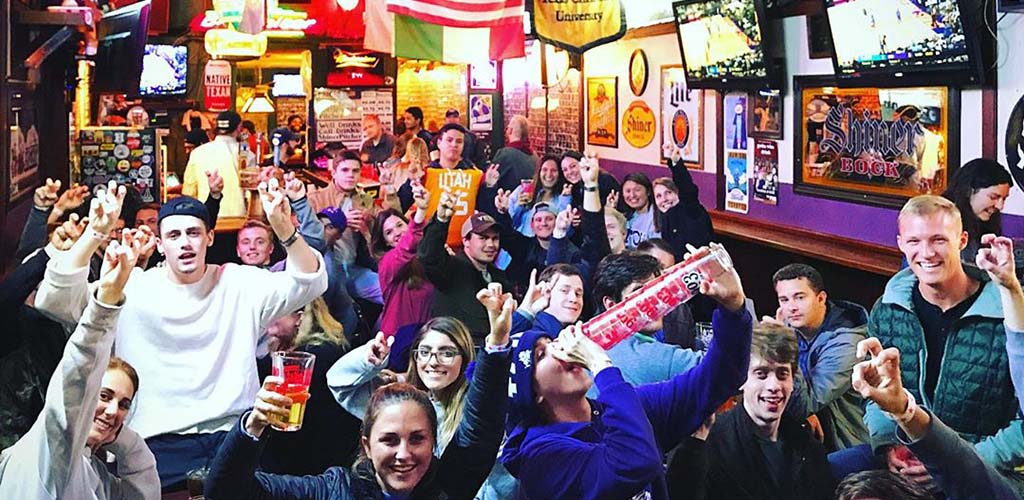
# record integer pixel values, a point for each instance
(589, 169)
(147, 243)
(726, 288)
(269, 408)
(66, 234)
(379, 349)
(216, 183)
(671, 152)
(566, 189)
(997, 260)
(72, 198)
(613, 199)
(294, 188)
(575, 348)
(491, 175)
(492, 298)
(279, 213)
(878, 378)
(446, 206)
(118, 262)
(387, 179)
(563, 221)
(105, 209)
(46, 195)
(501, 323)
(501, 201)
(538, 295)
(420, 197)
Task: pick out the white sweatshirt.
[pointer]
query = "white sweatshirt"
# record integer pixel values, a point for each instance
(194, 345)
(52, 461)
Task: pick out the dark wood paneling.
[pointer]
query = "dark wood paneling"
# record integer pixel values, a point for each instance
(854, 254)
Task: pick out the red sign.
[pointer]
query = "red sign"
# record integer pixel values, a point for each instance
(217, 84)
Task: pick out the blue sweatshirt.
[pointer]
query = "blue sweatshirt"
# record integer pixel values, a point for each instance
(618, 454)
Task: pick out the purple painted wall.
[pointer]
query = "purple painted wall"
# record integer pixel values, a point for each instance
(851, 220)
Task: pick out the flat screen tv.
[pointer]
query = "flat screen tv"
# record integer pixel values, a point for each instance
(905, 42)
(164, 70)
(723, 43)
(122, 42)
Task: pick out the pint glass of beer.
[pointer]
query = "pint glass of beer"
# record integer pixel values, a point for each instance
(296, 369)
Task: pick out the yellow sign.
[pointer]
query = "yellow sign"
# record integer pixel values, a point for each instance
(639, 124)
(225, 43)
(577, 25)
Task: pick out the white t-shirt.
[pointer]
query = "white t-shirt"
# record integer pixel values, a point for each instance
(194, 346)
(640, 228)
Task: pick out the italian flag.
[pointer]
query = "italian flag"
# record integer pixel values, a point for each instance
(412, 38)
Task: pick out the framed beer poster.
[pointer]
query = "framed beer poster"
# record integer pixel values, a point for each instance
(878, 146)
(603, 111)
(682, 116)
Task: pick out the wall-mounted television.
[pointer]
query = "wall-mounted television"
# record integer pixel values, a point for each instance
(164, 70)
(906, 42)
(724, 44)
(122, 41)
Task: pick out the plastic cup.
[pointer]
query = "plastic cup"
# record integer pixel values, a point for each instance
(527, 186)
(296, 369)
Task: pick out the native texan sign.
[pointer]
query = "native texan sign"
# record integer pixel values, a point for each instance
(217, 86)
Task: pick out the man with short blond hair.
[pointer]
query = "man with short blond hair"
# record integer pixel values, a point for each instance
(956, 322)
(255, 243)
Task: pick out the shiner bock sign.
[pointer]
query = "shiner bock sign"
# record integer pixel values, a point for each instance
(875, 145)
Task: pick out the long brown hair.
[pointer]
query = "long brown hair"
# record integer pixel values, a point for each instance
(393, 394)
(453, 396)
(117, 363)
(412, 274)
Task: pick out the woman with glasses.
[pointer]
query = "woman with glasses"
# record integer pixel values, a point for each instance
(438, 356)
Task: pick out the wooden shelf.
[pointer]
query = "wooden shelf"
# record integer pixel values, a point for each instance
(846, 252)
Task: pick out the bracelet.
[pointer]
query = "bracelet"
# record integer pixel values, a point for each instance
(291, 239)
(908, 414)
(96, 235)
(590, 189)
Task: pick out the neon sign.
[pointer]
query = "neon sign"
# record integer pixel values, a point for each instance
(281, 22)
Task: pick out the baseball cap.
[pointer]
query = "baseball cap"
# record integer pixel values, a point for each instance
(451, 113)
(228, 121)
(542, 207)
(336, 216)
(281, 136)
(478, 223)
(185, 205)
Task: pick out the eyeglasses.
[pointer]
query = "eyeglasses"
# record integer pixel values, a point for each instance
(445, 356)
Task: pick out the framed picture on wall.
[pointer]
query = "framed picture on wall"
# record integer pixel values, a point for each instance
(819, 37)
(682, 116)
(481, 112)
(483, 76)
(765, 114)
(603, 111)
(878, 146)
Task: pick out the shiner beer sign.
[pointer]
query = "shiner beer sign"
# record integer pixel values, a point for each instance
(638, 124)
(890, 142)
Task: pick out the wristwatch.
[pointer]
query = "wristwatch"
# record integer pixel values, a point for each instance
(291, 239)
(590, 189)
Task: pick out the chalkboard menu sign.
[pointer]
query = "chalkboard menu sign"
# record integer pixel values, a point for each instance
(340, 117)
(127, 156)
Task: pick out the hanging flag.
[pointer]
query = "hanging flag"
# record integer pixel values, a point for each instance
(461, 13)
(413, 38)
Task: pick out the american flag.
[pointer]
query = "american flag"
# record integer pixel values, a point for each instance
(462, 13)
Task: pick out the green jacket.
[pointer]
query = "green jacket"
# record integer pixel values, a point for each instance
(974, 394)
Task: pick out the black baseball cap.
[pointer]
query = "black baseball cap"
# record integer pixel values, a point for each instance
(282, 135)
(228, 121)
(185, 205)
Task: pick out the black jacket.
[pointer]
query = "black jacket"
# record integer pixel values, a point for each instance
(736, 469)
(688, 221)
(456, 280)
(458, 474)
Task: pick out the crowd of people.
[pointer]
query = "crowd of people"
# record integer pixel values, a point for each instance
(464, 371)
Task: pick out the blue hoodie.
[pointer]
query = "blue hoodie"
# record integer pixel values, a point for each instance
(618, 454)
